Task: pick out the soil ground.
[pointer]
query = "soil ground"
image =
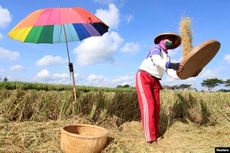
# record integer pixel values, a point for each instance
(127, 138)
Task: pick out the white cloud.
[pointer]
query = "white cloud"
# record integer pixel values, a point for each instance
(193, 81)
(11, 55)
(130, 47)
(101, 81)
(125, 79)
(96, 79)
(61, 78)
(43, 74)
(1, 36)
(171, 81)
(2, 70)
(57, 78)
(129, 18)
(110, 16)
(50, 60)
(227, 58)
(209, 74)
(98, 49)
(17, 68)
(104, 1)
(5, 17)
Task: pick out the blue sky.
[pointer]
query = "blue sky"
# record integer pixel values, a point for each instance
(114, 58)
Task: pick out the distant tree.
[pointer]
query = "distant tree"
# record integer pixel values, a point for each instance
(174, 87)
(168, 87)
(227, 83)
(184, 86)
(126, 86)
(123, 86)
(211, 83)
(5, 79)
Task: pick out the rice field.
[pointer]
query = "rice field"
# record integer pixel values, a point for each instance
(31, 117)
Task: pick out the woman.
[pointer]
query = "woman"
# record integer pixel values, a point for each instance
(148, 86)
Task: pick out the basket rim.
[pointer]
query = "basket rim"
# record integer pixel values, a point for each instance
(104, 134)
(198, 50)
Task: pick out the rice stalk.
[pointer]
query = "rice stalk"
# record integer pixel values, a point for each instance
(65, 106)
(99, 104)
(92, 112)
(197, 107)
(186, 35)
(125, 106)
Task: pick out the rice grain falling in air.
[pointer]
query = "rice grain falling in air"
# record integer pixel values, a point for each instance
(186, 35)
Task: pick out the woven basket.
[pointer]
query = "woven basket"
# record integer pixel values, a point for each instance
(198, 57)
(83, 138)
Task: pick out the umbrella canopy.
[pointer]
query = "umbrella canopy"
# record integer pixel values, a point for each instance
(58, 25)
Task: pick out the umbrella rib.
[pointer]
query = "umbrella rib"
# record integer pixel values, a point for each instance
(66, 41)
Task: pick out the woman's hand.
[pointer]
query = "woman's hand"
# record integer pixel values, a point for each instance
(180, 68)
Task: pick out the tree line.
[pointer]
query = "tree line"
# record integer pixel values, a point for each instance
(208, 83)
(214, 82)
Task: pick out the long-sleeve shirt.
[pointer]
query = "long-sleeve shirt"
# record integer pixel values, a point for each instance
(156, 63)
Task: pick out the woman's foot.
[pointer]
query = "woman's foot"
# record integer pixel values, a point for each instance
(153, 141)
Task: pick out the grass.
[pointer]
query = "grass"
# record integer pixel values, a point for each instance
(55, 87)
(30, 119)
(33, 105)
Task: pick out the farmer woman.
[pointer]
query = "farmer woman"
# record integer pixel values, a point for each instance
(148, 84)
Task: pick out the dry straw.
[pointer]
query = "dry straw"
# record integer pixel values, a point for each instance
(20, 109)
(186, 35)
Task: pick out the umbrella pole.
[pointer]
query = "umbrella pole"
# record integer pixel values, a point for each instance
(71, 70)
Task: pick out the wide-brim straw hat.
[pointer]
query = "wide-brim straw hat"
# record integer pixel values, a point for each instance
(176, 39)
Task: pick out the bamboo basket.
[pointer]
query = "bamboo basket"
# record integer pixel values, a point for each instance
(83, 138)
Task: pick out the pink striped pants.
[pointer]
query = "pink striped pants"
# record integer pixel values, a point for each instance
(148, 92)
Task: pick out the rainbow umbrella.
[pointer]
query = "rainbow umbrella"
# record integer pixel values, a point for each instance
(58, 25)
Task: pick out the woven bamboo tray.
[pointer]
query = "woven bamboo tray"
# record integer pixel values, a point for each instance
(198, 58)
